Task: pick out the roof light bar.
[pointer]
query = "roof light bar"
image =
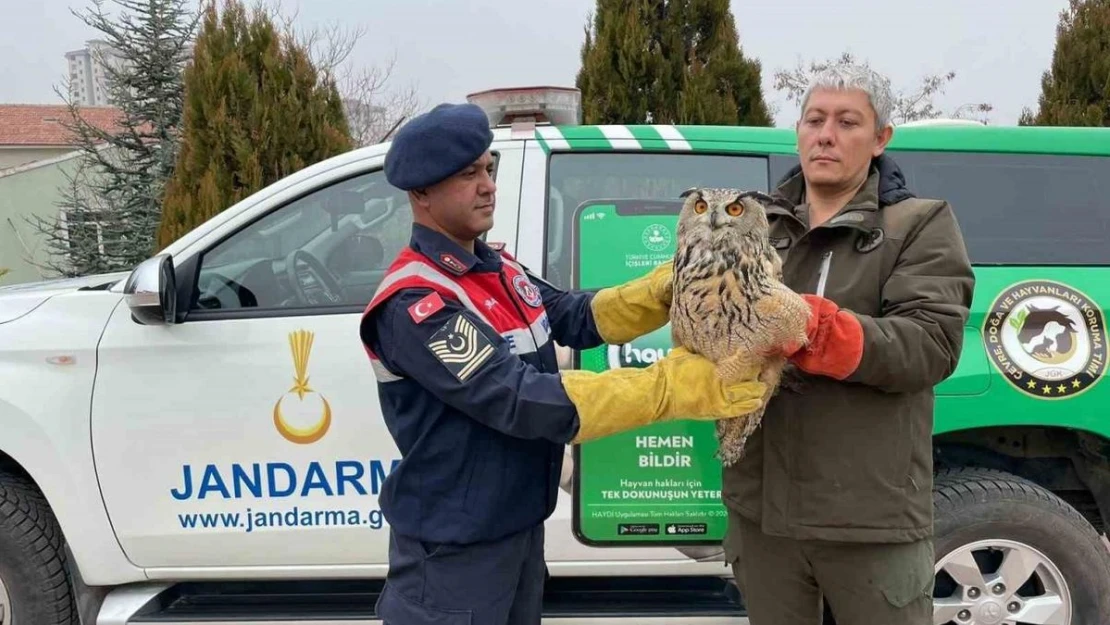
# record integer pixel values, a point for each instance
(517, 106)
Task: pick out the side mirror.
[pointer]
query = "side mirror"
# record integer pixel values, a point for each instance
(151, 291)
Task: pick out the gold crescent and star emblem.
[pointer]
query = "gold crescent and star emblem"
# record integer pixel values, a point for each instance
(300, 342)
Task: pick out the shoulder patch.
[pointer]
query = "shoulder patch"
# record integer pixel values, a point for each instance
(425, 307)
(461, 347)
(527, 291)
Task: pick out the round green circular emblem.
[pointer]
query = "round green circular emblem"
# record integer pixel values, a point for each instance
(1046, 338)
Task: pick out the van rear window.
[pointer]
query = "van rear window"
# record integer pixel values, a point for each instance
(1014, 209)
(577, 177)
(1020, 209)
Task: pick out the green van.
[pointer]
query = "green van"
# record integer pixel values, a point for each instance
(1022, 428)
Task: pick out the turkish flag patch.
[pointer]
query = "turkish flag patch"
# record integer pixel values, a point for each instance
(425, 307)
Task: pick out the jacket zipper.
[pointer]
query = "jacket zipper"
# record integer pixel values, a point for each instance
(823, 275)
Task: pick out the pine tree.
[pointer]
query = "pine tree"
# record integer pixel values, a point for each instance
(668, 61)
(720, 85)
(619, 63)
(257, 110)
(111, 201)
(1075, 91)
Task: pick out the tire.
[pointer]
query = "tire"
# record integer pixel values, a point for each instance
(33, 580)
(982, 515)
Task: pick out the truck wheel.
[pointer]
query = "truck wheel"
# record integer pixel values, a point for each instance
(34, 587)
(1009, 551)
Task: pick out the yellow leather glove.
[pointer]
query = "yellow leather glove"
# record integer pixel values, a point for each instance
(636, 307)
(681, 385)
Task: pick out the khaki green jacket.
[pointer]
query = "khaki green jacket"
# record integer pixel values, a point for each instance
(852, 460)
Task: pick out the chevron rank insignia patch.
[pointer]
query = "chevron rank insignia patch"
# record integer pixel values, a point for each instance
(461, 347)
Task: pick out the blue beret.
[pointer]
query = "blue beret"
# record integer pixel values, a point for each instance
(437, 144)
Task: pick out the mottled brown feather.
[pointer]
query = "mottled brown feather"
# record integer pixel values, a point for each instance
(729, 302)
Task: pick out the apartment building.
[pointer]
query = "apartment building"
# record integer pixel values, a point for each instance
(87, 76)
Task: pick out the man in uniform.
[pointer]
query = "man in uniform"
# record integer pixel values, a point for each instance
(460, 340)
(833, 499)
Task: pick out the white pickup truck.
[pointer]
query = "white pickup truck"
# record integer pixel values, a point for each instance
(200, 441)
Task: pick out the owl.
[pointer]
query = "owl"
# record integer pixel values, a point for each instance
(730, 304)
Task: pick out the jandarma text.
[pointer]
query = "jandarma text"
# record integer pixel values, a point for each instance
(251, 520)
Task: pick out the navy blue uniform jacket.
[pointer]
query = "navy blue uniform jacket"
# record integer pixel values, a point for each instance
(469, 388)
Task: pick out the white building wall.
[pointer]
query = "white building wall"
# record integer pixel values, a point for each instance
(87, 77)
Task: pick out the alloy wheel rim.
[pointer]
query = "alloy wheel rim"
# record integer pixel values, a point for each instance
(5, 605)
(1000, 582)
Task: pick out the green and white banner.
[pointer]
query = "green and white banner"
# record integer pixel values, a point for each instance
(658, 484)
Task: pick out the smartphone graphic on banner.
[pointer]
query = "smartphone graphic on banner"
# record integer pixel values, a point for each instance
(659, 484)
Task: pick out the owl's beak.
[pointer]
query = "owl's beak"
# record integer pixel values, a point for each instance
(716, 220)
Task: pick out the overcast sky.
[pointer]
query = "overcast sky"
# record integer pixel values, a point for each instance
(449, 48)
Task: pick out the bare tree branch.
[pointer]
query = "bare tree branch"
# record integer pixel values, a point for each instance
(373, 109)
(374, 106)
(909, 105)
(329, 46)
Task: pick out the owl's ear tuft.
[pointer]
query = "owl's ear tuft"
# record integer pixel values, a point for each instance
(688, 192)
(758, 196)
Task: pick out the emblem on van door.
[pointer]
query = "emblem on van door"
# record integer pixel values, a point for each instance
(1046, 338)
(656, 237)
(302, 415)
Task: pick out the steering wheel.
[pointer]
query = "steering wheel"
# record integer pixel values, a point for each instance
(314, 285)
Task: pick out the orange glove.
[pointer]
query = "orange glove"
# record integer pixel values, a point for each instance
(835, 341)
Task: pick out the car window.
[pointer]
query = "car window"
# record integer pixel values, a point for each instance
(575, 178)
(1018, 208)
(324, 250)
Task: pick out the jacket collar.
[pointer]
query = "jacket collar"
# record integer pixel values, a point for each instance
(448, 255)
(885, 185)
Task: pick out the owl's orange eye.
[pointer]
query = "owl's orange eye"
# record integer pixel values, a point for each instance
(735, 209)
(700, 207)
